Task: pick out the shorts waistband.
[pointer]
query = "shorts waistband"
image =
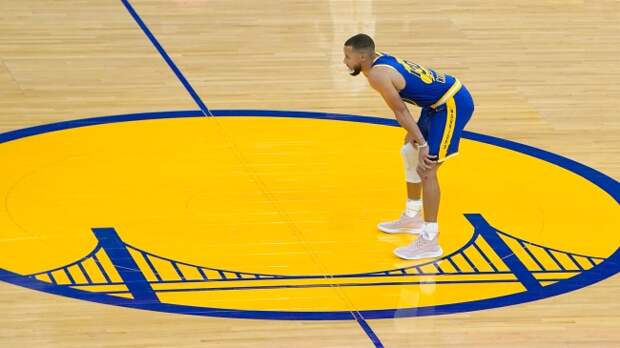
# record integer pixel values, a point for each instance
(456, 86)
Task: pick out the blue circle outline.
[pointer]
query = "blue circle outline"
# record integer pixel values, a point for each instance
(606, 269)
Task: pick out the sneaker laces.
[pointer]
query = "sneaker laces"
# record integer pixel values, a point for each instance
(419, 242)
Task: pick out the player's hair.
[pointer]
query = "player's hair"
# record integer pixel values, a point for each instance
(361, 43)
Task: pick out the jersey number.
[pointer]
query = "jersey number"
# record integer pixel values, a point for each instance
(424, 74)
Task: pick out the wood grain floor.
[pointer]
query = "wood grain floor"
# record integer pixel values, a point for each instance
(542, 72)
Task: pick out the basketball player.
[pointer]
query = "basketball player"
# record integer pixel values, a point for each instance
(446, 106)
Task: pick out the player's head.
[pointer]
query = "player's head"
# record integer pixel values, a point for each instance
(358, 50)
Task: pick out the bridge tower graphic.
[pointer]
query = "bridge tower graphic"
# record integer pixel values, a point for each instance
(115, 268)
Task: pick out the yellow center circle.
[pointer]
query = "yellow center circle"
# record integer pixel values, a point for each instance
(279, 196)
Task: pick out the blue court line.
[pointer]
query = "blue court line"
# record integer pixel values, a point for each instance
(93, 121)
(162, 52)
(367, 329)
(206, 112)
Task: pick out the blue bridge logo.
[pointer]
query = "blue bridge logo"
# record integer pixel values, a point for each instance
(118, 273)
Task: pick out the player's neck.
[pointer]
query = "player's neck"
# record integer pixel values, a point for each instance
(374, 57)
(366, 67)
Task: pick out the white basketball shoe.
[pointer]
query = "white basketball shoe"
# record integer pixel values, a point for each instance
(421, 248)
(405, 224)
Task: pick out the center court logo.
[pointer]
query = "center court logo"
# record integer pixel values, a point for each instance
(257, 214)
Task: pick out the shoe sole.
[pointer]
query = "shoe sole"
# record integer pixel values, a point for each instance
(400, 230)
(421, 256)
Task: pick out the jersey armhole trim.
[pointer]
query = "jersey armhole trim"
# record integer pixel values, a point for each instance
(389, 66)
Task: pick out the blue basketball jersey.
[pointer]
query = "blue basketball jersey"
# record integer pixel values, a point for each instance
(423, 86)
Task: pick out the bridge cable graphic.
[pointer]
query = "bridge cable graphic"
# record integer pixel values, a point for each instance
(491, 256)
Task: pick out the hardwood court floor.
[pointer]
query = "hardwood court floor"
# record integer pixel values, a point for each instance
(542, 73)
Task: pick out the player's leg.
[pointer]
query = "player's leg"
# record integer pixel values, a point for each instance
(432, 193)
(411, 220)
(414, 183)
(414, 191)
(427, 244)
(443, 139)
(442, 124)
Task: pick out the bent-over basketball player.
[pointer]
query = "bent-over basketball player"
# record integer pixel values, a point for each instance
(446, 106)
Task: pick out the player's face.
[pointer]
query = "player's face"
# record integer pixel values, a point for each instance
(352, 60)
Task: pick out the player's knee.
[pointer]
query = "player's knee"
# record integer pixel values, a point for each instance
(410, 159)
(429, 174)
(425, 175)
(421, 173)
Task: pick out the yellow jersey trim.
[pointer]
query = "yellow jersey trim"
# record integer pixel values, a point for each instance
(449, 94)
(448, 131)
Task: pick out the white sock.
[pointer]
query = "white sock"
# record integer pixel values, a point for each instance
(413, 207)
(430, 231)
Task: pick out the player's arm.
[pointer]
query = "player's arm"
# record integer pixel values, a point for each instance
(382, 83)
